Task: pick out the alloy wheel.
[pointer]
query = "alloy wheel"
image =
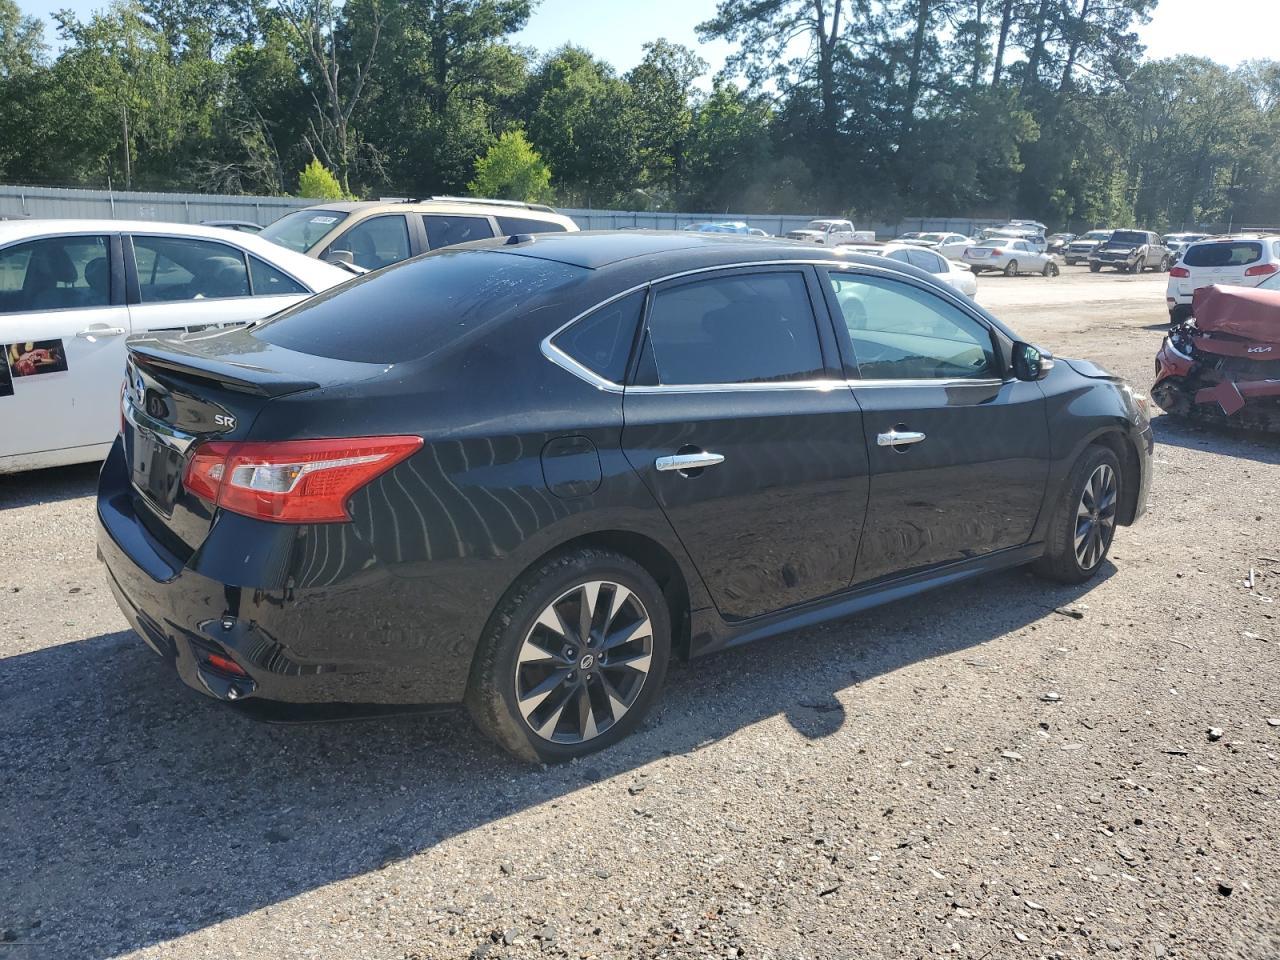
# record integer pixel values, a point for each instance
(1095, 517)
(583, 662)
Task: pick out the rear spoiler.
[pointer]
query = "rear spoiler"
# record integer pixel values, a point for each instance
(171, 354)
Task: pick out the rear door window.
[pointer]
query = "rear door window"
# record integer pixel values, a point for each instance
(183, 268)
(510, 225)
(1223, 253)
(445, 231)
(925, 261)
(740, 328)
(377, 242)
(55, 273)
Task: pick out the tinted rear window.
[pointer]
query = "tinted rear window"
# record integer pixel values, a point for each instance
(510, 225)
(1223, 253)
(411, 309)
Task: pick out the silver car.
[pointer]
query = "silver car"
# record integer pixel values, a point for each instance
(1011, 256)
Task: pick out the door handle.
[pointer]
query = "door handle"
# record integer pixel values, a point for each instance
(688, 461)
(99, 330)
(898, 438)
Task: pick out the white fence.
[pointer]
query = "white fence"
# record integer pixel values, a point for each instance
(18, 201)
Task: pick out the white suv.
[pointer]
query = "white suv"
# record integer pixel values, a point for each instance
(1243, 261)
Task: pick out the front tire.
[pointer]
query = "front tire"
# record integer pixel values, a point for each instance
(1095, 268)
(573, 657)
(1138, 266)
(1050, 269)
(1011, 268)
(1165, 264)
(1084, 519)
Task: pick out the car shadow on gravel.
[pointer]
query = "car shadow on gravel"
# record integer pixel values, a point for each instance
(133, 811)
(1229, 441)
(48, 486)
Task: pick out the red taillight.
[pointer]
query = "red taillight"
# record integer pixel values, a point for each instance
(997, 253)
(1179, 272)
(225, 665)
(293, 481)
(1262, 270)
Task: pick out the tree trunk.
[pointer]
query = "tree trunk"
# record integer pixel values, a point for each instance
(1006, 22)
(128, 162)
(913, 75)
(1073, 46)
(1032, 75)
(978, 45)
(827, 41)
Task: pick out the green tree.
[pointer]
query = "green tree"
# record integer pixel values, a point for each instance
(339, 47)
(447, 83)
(580, 122)
(22, 45)
(663, 97)
(317, 182)
(512, 170)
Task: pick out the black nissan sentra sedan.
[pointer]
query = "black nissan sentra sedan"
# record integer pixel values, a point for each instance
(524, 474)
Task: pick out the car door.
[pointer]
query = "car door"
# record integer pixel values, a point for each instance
(190, 283)
(63, 324)
(739, 423)
(959, 455)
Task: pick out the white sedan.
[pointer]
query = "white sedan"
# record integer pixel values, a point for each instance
(955, 275)
(1011, 256)
(950, 245)
(71, 291)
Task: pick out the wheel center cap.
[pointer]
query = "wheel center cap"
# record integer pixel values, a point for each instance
(587, 662)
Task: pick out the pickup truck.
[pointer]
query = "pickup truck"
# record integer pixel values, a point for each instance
(1132, 251)
(830, 233)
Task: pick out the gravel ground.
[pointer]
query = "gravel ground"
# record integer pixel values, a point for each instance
(975, 774)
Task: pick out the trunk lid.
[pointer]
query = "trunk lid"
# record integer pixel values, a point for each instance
(183, 390)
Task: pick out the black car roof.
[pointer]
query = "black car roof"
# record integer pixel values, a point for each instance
(594, 249)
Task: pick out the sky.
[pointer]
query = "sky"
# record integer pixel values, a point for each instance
(616, 30)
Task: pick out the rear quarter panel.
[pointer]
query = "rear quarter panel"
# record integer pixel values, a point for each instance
(437, 541)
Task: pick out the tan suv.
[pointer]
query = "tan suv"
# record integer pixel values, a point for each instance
(376, 233)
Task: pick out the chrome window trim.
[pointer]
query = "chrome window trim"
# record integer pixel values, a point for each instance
(586, 374)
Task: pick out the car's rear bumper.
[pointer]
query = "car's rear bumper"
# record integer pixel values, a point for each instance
(340, 643)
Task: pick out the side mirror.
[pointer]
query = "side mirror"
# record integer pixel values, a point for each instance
(341, 256)
(1030, 362)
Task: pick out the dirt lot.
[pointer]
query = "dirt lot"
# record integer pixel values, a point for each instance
(972, 775)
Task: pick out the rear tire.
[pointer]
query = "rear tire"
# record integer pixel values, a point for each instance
(546, 692)
(1083, 520)
(1011, 268)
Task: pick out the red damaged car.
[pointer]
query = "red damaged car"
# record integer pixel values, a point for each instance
(1223, 364)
